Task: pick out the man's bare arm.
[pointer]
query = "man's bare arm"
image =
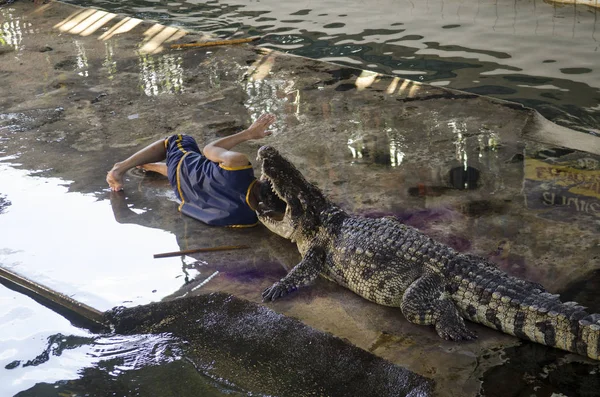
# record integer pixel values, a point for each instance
(220, 151)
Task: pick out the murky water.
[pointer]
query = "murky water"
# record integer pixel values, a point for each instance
(534, 52)
(42, 354)
(29, 338)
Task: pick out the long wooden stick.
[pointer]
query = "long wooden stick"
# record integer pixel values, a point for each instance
(195, 251)
(215, 43)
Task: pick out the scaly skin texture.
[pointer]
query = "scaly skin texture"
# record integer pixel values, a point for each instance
(393, 264)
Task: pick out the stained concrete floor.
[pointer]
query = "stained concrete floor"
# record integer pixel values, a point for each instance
(75, 101)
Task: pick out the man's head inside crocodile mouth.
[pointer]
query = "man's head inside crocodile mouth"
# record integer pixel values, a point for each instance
(287, 183)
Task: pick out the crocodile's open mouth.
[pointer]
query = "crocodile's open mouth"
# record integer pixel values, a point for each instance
(271, 205)
(274, 213)
(273, 209)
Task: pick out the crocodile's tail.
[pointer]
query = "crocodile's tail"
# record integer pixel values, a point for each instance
(488, 296)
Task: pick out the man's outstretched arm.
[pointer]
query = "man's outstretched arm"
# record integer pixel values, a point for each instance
(152, 153)
(220, 151)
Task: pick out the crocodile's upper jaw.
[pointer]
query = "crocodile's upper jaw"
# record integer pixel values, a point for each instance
(304, 201)
(283, 226)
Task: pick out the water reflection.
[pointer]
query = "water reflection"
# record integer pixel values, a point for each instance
(458, 128)
(132, 352)
(4, 203)
(478, 47)
(397, 147)
(157, 35)
(125, 213)
(82, 61)
(161, 74)
(37, 345)
(158, 74)
(85, 22)
(267, 93)
(90, 270)
(109, 63)
(387, 148)
(13, 29)
(470, 48)
(123, 26)
(365, 80)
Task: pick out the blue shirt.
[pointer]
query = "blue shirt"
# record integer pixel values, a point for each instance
(209, 192)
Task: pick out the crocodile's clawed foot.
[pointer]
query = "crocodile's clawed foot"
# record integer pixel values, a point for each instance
(455, 332)
(276, 291)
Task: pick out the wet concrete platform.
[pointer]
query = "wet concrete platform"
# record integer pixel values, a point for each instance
(484, 176)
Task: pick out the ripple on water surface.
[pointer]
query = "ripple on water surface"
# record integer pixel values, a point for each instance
(466, 46)
(42, 354)
(37, 345)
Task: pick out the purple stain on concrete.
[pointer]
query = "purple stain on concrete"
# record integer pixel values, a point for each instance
(253, 272)
(423, 219)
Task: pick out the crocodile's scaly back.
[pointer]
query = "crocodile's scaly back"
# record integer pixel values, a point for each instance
(380, 252)
(394, 264)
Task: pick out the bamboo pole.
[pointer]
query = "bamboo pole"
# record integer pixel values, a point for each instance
(215, 43)
(197, 250)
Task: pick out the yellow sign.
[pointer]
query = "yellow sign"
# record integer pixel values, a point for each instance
(563, 189)
(578, 181)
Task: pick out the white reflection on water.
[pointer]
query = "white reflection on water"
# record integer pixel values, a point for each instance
(161, 74)
(38, 345)
(25, 327)
(82, 60)
(11, 31)
(135, 351)
(459, 128)
(72, 243)
(109, 62)
(266, 94)
(275, 96)
(397, 147)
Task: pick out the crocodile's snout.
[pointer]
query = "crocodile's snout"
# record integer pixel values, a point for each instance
(265, 151)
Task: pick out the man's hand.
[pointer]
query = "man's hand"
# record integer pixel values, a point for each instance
(258, 129)
(220, 151)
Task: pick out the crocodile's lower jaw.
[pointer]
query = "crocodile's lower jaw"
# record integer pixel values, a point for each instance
(280, 228)
(283, 226)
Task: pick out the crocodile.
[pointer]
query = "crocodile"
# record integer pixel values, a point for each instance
(393, 264)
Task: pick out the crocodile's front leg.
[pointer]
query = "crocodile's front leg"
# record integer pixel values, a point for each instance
(302, 274)
(424, 302)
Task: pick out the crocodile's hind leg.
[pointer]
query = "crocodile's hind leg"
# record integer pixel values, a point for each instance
(425, 303)
(302, 274)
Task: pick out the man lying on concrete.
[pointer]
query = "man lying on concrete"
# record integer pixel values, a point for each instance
(216, 186)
